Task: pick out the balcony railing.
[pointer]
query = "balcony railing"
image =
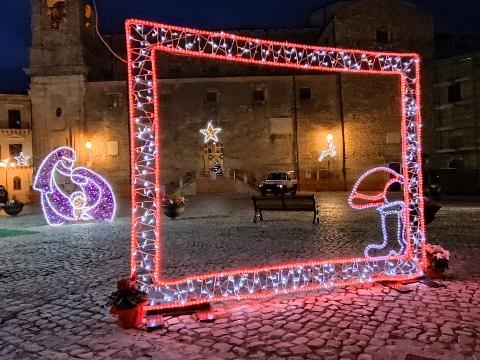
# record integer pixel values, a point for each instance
(21, 132)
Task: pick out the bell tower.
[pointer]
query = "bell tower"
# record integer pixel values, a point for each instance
(57, 73)
(57, 48)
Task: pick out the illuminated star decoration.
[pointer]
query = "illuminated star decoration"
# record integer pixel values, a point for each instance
(210, 133)
(22, 159)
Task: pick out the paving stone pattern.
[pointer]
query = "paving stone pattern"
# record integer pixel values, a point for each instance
(54, 284)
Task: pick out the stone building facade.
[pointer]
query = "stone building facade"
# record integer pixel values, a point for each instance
(16, 138)
(271, 119)
(457, 108)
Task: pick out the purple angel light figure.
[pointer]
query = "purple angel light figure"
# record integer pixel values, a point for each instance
(56, 206)
(94, 199)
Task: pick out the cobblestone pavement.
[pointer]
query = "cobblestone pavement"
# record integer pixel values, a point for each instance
(54, 283)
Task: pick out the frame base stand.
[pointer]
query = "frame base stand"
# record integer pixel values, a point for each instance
(398, 286)
(431, 283)
(156, 318)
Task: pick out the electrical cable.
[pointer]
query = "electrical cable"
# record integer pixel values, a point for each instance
(101, 37)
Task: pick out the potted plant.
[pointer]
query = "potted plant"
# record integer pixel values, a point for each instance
(12, 207)
(127, 303)
(173, 205)
(437, 261)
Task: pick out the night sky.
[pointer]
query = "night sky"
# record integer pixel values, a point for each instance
(460, 16)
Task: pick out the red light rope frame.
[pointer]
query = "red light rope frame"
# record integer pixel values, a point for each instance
(144, 39)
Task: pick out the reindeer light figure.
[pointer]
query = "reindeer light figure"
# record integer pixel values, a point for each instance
(331, 151)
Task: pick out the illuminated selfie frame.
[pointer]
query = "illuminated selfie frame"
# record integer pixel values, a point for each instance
(144, 39)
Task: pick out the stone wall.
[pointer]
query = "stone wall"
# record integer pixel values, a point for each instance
(281, 132)
(257, 136)
(58, 104)
(457, 105)
(107, 122)
(409, 28)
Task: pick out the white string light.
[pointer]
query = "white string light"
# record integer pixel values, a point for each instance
(143, 39)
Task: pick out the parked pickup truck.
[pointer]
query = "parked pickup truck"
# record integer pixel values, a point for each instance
(279, 182)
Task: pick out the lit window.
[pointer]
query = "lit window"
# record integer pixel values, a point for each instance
(57, 11)
(88, 16)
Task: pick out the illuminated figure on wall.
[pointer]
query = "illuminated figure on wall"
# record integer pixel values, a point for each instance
(92, 200)
(331, 151)
(360, 201)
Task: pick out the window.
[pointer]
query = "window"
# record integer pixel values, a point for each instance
(14, 150)
(281, 126)
(88, 16)
(258, 95)
(17, 183)
(305, 93)
(14, 119)
(114, 101)
(454, 92)
(58, 112)
(383, 36)
(57, 12)
(211, 97)
(112, 148)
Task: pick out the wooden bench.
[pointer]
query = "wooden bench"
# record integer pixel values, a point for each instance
(285, 203)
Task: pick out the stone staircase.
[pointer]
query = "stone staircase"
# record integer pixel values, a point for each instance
(232, 181)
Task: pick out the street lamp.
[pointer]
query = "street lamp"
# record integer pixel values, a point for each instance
(88, 144)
